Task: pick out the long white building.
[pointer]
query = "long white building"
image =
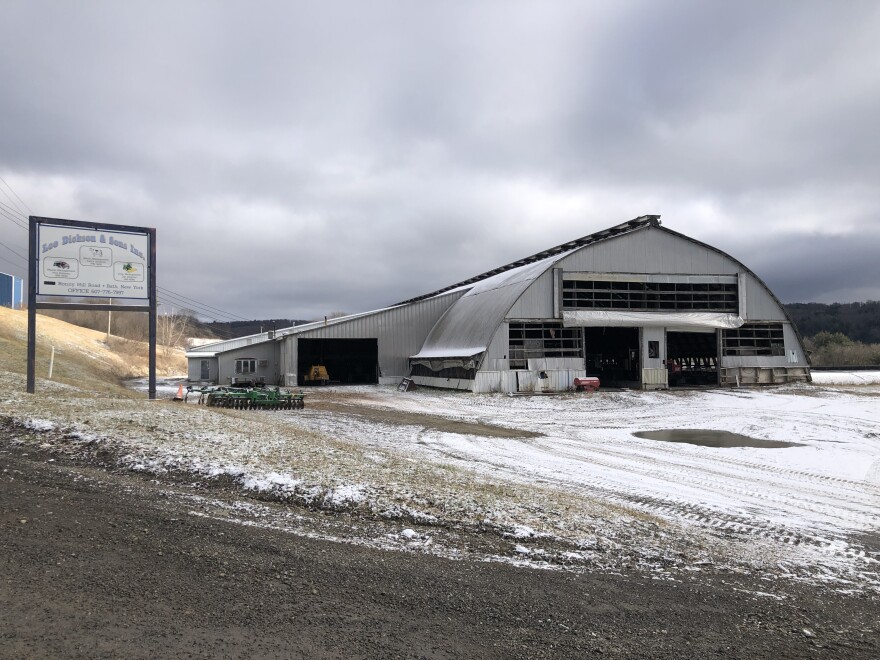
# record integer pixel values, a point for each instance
(637, 305)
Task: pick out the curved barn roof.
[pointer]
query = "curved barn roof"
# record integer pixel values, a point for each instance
(469, 325)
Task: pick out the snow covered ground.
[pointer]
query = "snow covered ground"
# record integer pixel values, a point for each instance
(570, 475)
(817, 499)
(846, 377)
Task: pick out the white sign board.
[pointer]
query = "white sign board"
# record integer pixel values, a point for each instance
(92, 263)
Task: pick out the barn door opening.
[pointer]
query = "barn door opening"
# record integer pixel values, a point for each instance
(692, 358)
(613, 355)
(347, 361)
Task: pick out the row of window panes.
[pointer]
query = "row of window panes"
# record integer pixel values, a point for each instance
(646, 295)
(672, 287)
(542, 340)
(594, 294)
(714, 306)
(754, 339)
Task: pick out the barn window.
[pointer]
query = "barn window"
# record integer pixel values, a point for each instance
(246, 366)
(548, 339)
(686, 295)
(755, 339)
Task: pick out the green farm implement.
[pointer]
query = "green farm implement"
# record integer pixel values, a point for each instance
(241, 398)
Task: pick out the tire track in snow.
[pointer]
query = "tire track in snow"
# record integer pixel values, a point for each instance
(720, 523)
(762, 491)
(657, 463)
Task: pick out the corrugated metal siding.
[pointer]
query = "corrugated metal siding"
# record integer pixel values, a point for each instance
(792, 343)
(287, 352)
(536, 302)
(655, 378)
(499, 345)
(557, 380)
(649, 250)
(400, 332)
(760, 304)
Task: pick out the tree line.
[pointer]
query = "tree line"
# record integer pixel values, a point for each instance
(858, 321)
(837, 334)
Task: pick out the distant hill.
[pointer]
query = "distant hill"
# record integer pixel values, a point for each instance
(858, 321)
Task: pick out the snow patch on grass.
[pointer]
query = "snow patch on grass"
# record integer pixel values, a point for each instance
(39, 425)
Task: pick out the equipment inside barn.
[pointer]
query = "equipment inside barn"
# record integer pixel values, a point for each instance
(347, 361)
(317, 374)
(692, 358)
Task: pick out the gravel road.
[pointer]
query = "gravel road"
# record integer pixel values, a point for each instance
(98, 564)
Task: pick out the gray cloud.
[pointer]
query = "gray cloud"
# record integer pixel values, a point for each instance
(349, 156)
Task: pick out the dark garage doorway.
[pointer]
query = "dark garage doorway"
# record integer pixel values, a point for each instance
(692, 358)
(612, 354)
(348, 361)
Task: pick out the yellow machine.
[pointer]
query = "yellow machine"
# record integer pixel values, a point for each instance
(318, 372)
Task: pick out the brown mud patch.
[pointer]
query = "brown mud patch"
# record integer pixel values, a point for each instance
(362, 410)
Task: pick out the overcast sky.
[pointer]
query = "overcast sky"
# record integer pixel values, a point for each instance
(303, 158)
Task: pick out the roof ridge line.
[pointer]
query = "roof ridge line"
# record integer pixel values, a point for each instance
(616, 230)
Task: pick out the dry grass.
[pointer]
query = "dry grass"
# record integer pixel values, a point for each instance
(82, 356)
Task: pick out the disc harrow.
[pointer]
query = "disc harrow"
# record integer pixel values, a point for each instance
(240, 398)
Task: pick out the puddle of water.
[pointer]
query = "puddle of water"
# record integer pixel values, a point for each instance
(710, 438)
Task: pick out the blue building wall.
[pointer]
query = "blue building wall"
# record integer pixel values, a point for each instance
(11, 291)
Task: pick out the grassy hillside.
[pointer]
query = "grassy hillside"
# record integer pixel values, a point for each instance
(82, 356)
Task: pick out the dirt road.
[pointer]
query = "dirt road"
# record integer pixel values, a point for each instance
(114, 565)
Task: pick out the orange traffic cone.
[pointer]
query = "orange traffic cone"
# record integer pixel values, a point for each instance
(179, 395)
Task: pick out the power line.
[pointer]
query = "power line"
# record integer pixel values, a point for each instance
(11, 217)
(225, 313)
(15, 210)
(197, 308)
(17, 254)
(10, 263)
(191, 304)
(16, 196)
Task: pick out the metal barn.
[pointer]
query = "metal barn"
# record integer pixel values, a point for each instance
(637, 305)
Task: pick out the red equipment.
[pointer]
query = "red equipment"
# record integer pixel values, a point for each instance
(588, 384)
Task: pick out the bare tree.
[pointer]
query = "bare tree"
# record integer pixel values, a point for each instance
(171, 330)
